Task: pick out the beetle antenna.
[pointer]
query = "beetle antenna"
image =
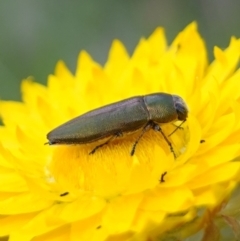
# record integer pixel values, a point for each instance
(178, 127)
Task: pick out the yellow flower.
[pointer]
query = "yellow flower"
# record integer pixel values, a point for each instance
(60, 192)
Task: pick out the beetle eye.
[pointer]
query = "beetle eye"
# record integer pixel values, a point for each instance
(182, 112)
(180, 107)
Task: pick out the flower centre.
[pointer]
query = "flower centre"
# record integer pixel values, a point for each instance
(112, 170)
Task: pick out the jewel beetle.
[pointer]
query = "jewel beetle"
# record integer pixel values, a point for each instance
(125, 116)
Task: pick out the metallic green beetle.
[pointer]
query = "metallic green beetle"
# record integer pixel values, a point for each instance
(126, 116)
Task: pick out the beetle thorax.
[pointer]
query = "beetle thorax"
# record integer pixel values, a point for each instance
(161, 107)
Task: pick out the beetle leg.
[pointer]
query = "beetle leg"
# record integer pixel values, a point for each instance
(105, 143)
(145, 128)
(156, 127)
(177, 127)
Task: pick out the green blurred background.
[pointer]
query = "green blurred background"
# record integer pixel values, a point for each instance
(34, 35)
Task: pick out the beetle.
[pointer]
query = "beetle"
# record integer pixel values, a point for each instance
(126, 116)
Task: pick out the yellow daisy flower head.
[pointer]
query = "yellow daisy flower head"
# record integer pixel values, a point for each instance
(171, 188)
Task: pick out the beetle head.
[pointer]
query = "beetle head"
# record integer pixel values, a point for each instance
(180, 107)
